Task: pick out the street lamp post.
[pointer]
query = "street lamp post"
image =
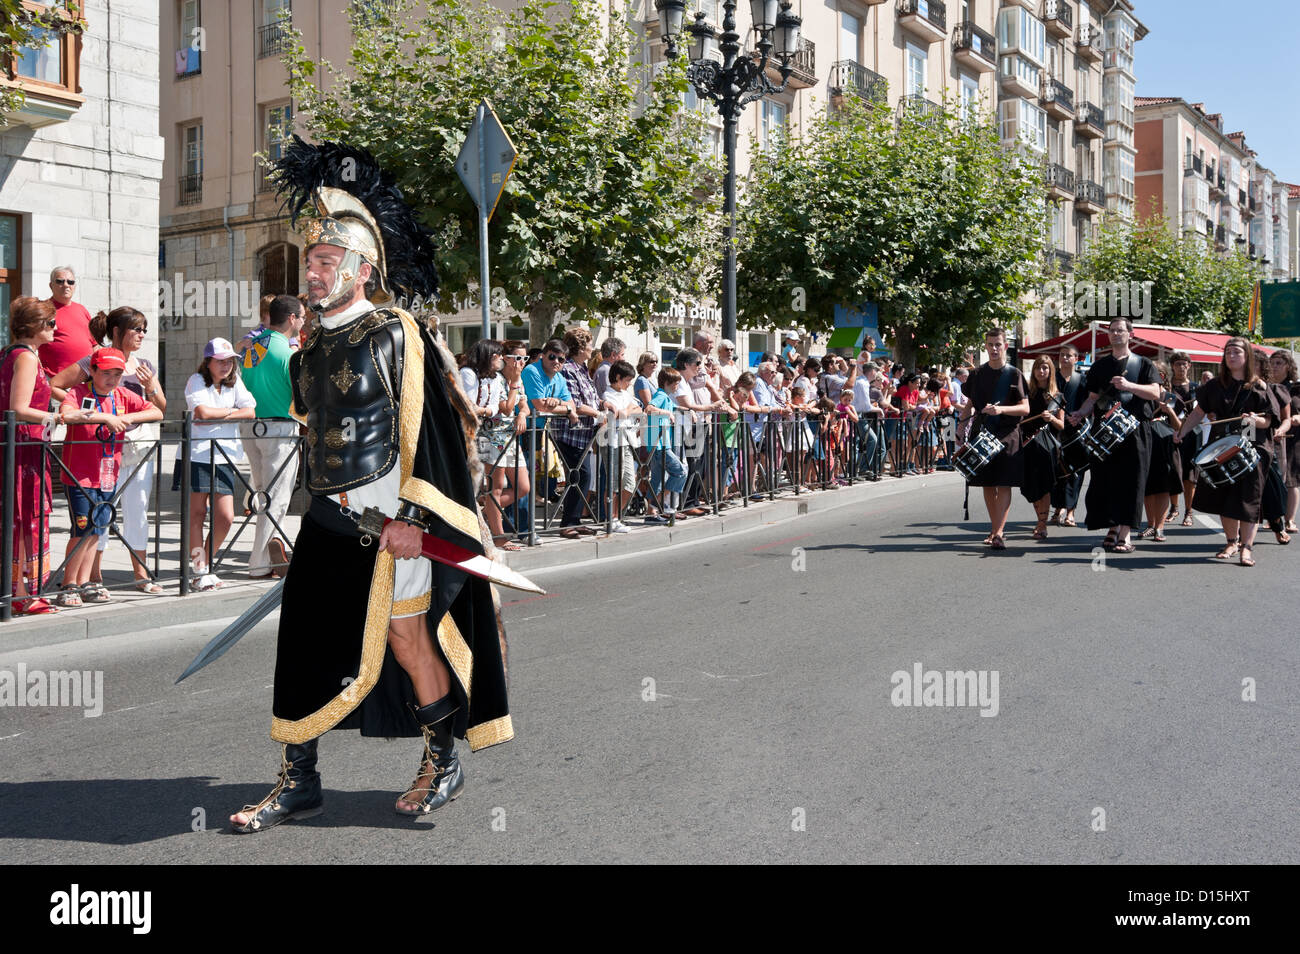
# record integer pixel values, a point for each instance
(732, 82)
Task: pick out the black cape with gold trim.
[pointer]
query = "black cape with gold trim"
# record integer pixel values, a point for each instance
(334, 668)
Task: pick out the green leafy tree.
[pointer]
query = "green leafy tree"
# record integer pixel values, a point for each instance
(605, 214)
(21, 26)
(927, 216)
(1192, 286)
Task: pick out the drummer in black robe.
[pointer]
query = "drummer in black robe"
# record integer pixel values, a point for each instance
(1237, 392)
(1273, 503)
(1042, 446)
(1071, 383)
(1119, 480)
(1183, 389)
(1165, 473)
(998, 399)
(1286, 375)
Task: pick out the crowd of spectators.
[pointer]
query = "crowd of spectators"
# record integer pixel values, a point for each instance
(88, 408)
(672, 443)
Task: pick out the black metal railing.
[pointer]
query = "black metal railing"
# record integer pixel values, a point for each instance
(803, 65)
(1251, 250)
(1054, 91)
(1060, 12)
(1062, 259)
(850, 77)
(1058, 176)
(932, 10)
(918, 107)
(1088, 191)
(1192, 165)
(966, 36)
(189, 189)
(274, 38)
(1090, 115)
(1223, 181)
(265, 180)
(1241, 197)
(1220, 235)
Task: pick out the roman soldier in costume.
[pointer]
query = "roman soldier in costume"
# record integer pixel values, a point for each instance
(372, 635)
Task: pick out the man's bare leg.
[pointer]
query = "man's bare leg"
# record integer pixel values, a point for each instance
(412, 645)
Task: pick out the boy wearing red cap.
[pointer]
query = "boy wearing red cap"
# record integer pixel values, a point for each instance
(96, 412)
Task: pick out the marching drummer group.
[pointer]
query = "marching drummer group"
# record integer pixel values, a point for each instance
(1135, 427)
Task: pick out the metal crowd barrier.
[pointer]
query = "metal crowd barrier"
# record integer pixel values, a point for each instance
(106, 514)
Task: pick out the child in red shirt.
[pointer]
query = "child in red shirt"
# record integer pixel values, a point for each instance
(96, 412)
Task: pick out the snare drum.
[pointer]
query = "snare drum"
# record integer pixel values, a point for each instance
(1110, 433)
(1226, 461)
(1074, 452)
(978, 454)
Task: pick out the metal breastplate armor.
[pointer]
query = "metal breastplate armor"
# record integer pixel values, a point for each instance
(348, 382)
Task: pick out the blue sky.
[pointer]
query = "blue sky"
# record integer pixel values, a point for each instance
(1241, 59)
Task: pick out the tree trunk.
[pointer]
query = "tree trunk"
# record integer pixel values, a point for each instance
(905, 346)
(541, 318)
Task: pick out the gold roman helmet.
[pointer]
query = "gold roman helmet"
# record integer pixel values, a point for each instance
(343, 221)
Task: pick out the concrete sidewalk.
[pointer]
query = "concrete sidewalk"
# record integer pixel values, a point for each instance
(132, 611)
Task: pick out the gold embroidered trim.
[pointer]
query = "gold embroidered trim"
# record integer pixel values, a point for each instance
(376, 319)
(411, 405)
(374, 638)
(305, 380)
(416, 604)
(344, 377)
(490, 733)
(334, 438)
(424, 494)
(456, 650)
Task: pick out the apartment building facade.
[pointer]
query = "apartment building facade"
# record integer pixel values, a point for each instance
(1212, 183)
(1040, 65)
(80, 162)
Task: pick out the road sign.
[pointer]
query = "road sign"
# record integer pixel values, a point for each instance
(486, 159)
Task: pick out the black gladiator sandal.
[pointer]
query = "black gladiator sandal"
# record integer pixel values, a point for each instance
(297, 794)
(439, 778)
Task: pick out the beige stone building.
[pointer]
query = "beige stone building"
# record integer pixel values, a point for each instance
(1042, 65)
(80, 163)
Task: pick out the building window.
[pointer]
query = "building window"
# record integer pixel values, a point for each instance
(772, 120)
(190, 43)
(915, 70)
(277, 127)
(277, 269)
(273, 36)
(850, 31)
(191, 171)
(1021, 31)
(11, 272)
(49, 64)
(970, 99)
(1023, 122)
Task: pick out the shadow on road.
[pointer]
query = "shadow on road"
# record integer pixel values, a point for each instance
(113, 811)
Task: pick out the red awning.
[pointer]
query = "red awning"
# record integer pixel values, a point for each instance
(1203, 347)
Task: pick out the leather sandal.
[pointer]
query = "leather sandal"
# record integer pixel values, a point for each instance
(1187, 519)
(1246, 558)
(1126, 547)
(997, 543)
(1228, 552)
(297, 793)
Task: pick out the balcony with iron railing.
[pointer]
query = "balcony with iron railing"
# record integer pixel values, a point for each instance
(1062, 259)
(925, 19)
(1089, 197)
(1241, 197)
(1056, 98)
(1193, 165)
(1090, 121)
(264, 181)
(1058, 18)
(974, 48)
(1251, 251)
(190, 189)
(1220, 237)
(1090, 45)
(919, 108)
(1218, 183)
(803, 66)
(1209, 231)
(275, 38)
(850, 77)
(1060, 181)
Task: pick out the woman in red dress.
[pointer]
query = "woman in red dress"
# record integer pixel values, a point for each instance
(25, 390)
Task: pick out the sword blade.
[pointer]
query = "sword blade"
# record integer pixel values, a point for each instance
(435, 548)
(221, 643)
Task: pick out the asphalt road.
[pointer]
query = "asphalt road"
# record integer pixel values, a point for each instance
(733, 700)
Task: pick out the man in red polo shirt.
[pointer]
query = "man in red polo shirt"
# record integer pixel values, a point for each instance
(72, 338)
